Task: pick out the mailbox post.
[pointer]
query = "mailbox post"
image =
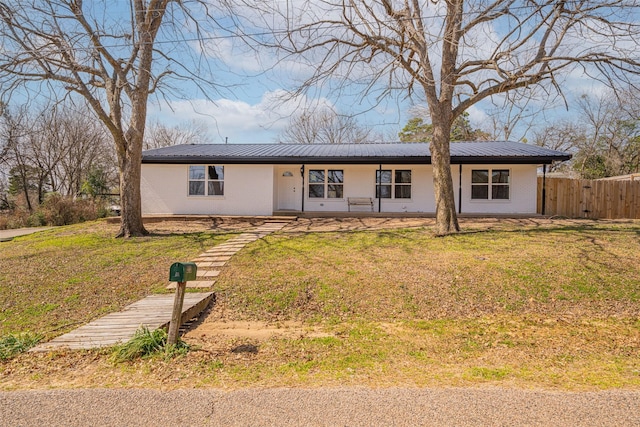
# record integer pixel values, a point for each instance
(180, 272)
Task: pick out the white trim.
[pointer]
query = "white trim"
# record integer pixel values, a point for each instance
(490, 184)
(325, 184)
(393, 184)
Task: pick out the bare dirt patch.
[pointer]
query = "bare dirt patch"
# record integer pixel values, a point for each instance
(467, 224)
(217, 323)
(219, 224)
(331, 224)
(253, 330)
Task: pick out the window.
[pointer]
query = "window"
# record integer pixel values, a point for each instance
(206, 180)
(327, 183)
(490, 184)
(394, 184)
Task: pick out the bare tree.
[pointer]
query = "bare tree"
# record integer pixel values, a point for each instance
(110, 56)
(83, 145)
(52, 151)
(15, 161)
(512, 118)
(323, 126)
(453, 54)
(562, 135)
(605, 137)
(190, 132)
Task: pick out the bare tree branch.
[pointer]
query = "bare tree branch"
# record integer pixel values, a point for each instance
(323, 127)
(452, 54)
(114, 58)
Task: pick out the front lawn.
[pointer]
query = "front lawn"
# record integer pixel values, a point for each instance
(535, 304)
(55, 280)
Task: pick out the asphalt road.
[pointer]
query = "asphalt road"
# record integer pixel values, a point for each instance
(319, 407)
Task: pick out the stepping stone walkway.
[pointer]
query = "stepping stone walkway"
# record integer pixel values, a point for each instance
(210, 261)
(155, 311)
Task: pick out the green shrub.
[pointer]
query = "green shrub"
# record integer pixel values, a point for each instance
(36, 219)
(103, 212)
(55, 210)
(146, 343)
(11, 345)
(60, 210)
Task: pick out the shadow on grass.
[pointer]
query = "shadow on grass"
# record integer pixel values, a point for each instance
(541, 228)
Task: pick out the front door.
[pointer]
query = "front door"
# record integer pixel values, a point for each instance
(289, 192)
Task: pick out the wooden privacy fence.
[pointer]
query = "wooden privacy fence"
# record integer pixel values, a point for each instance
(584, 198)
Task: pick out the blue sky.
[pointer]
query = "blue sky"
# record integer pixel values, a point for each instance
(249, 108)
(245, 103)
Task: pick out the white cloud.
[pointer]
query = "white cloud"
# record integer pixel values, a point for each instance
(235, 120)
(477, 116)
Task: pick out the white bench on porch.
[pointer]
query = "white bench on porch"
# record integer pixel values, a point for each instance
(359, 201)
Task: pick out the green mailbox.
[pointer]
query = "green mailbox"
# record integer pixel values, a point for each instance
(182, 271)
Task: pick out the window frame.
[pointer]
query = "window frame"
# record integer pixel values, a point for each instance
(207, 183)
(492, 184)
(393, 184)
(332, 182)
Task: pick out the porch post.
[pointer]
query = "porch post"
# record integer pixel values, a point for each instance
(302, 192)
(460, 190)
(544, 190)
(379, 185)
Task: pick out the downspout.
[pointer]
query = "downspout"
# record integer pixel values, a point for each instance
(302, 192)
(544, 189)
(379, 187)
(460, 190)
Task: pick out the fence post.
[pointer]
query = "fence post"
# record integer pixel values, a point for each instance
(544, 189)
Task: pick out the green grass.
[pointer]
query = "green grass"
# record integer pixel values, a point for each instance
(516, 351)
(146, 343)
(57, 279)
(408, 274)
(12, 344)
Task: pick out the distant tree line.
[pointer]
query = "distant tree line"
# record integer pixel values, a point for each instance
(58, 165)
(603, 135)
(604, 138)
(56, 150)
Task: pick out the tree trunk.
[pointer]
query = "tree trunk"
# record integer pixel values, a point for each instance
(130, 146)
(25, 187)
(27, 199)
(446, 217)
(130, 199)
(40, 191)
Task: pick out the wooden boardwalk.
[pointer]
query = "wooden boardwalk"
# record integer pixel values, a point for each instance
(153, 312)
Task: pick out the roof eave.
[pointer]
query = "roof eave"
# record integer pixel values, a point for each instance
(508, 160)
(288, 160)
(455, 160)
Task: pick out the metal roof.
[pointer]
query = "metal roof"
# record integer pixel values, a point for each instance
(490, 152)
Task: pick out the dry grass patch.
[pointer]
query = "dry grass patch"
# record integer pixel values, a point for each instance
(505, 351)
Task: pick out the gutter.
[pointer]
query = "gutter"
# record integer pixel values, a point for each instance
(423, 160)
